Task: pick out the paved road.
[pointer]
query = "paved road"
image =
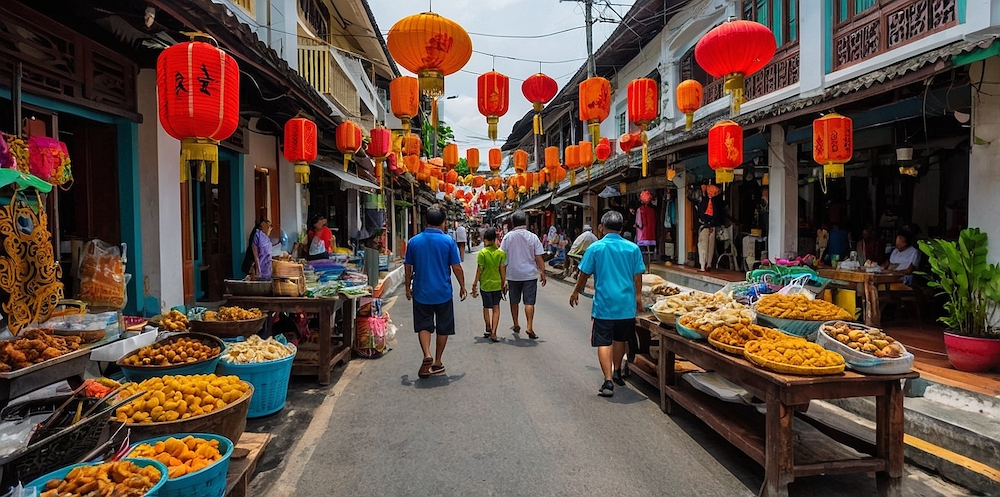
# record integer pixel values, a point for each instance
(519, 417)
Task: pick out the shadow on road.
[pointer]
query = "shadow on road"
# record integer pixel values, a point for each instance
(517, 341)
(432, 382)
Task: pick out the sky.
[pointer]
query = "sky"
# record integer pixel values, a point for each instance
(562, 54)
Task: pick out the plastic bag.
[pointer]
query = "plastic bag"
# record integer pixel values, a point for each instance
(102, 275)
(317, 246)
(49, 160)
(797, 287)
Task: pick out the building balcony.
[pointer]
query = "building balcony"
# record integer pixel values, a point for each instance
(342, 79)
(782, 72)
(890, 26)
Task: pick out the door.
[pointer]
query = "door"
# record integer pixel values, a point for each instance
(215, 240)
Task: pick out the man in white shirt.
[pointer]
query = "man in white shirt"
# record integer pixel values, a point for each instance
(462, 239)
(583, 241)
(905, 258)
(524, 267)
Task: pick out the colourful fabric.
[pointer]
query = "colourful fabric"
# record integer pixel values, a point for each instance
(490, 258)
(432, 253)
(645, 220)
(614, 262)
(324, 234)
(263, 244)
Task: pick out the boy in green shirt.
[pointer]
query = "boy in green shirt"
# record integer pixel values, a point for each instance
(492, 272)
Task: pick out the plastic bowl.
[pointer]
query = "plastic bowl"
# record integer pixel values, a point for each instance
(205, 366)
(39, 483)
(206, 482)
(269, 380)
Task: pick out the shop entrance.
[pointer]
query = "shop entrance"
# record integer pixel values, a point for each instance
(206, 229)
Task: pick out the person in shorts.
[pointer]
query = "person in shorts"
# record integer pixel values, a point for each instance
(429, 256)
(524, 268)
(617, 267)
(492, 273)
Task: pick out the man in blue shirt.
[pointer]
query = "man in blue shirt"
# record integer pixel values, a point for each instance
(428, 285)
(617, 267)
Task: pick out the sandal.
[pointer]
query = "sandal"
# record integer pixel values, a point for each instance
(437, 370)
(425, 368)
(515, 329)
(494, 339)
(486, 334)
(532, 335)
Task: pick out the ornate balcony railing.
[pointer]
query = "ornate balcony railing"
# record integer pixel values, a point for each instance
(890, 25)
(782, 72)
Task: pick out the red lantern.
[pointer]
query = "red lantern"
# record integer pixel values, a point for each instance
(603, 150)
(735, 50)
(404, 98)
(643, 107)
(626, 142)
(495, 158)
(198, 87)
(378, 149)
(833, 144)
(539, 89)
(300, 146)
(689, 94)
(595, 104)
(472, 159)
(451, 177)
(725, 149)
(348, 140)
(494, 99)
(450, 156)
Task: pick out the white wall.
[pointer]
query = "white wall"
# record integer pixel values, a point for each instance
(160, 200)
(293, 200)
(984, 175)
(262, 153)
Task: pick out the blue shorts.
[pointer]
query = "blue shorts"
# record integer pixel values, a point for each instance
(439, 318)
(491, 299)
(606, 331)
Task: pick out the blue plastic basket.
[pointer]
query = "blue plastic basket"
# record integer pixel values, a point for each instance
(802, 329)
(206, 482)
(269, 380)
(133, 373)
(686, 332)
(39, 483)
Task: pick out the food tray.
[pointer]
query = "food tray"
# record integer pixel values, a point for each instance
(665, 318)
(864, 362)
(269, 380)
(737, 350)
(245, 288)
(139, 373)
(230, 421)
(39, 483)
(686, 332)
(783, 368)
(209, 481)
(795, 327)
(228, 329)
(17, 383)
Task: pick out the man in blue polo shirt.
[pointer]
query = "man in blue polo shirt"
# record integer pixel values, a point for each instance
(428, 285)
(617, 267)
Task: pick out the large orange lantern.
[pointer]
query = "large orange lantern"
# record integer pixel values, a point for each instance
(411, 164)
(833, 144)
(552, 163)
(451, 177)
(734, 50)
(511, 193)
(300, 146)
(450, 156)
(520, 161)
(586, 151)
(495, 159)
(348, 140)
(539, 89)
(431, 47)
(643, 107)
(412, 144)
(494, 99)
(571, 157)
(472, 159)
(689, 93)
(198, 87)
(378, 149)
(595, 104)
(404, 98)
(725, 150)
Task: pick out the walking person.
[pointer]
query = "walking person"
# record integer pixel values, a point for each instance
(428, 284)
(492, 273)
(462, 239)
(524, 268)
(616, 265)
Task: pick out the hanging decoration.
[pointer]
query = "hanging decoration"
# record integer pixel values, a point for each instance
(833, 144)
(378, 149)
(520, 161)
(595, 104)
(48, 159)
(472, 159)
(725, 150)
(412, 144)
(404, 98)
(494, 99)
(626, 142)
(572, 160)
(450, 156)
(586, 152)
(300, 146)
(602, 151)
(643, 107)
(198, 88)
(735, 50)
(451, 177)
(539, 89)
(495, 159)
(689, 93)
(348, 140)
(552, 163)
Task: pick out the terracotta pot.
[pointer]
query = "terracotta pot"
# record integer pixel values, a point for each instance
(970, 354)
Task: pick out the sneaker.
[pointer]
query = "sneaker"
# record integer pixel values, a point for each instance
(617, 378)
(607, 389)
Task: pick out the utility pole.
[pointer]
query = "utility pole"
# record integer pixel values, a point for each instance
(588, 6)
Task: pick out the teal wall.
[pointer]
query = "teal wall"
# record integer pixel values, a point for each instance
(240, 233)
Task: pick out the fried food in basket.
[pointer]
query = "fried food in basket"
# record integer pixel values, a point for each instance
(707, 319)
(868, 340)
(738, 336)
(172, 352)
(233, 314)
(34, 346)
(800, 307)
(794, 351)
(169, 398)
(181, 456)
(121, 478)
(174, 321)
(684, 303)
(256, 350)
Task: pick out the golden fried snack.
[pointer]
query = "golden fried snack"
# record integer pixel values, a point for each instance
(795, 352)
(174, 321)
(121, 478)
(868, 340)
(684, 303)
(171, 352)
(34, 346)
(739, 336)
(181, 456)
(169, 398)
(800, 307)
(233, 314)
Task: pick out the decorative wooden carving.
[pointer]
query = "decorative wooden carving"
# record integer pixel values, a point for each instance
(780, 73)
(29, 273)
(891, 26)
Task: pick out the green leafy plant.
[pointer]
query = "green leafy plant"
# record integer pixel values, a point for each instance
(462, 168)
(445, 135)
(961, 272)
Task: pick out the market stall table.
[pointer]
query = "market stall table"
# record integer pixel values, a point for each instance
(868, 284)
(784, 395)
(326, 309)
(69, 366)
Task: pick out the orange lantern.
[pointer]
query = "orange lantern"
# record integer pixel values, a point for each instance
(603, 150)
(494, 99)
(558, 175)
(450, 156)
(431, 47)
(497, 182)
(348, 140)
(451, 177)
(411, 164)
(412, 144)
(643, 107)
(495, 159)
(725, 150)
(511, 193)
(378, 149)
(595, 104)
(572, 160)
(300, 146)
(586, 152)
(539, 89)
(833, 144)
(552, 163)
(734, 50)
(478, 181)
(472, 159)
(404, 98)
(689, 94)
(198, 86)
(520, 161)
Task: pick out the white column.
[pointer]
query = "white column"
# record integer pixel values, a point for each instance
(812, 51)
(681, 227)
(290, 202)
(783, 222)
(984, 175)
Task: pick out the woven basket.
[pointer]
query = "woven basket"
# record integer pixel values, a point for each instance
(289, 287)
(689, 333)
(665, 318)
(780, 367)
(228, 329)
(732, 349)
(285, 269)
(247, 288)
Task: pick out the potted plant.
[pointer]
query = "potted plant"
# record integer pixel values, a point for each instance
(960, 271)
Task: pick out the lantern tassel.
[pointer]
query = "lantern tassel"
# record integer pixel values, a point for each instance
(492, 122)
(588, 174)
(645, 151)
(434, 112)
(595, 132)
(734, 88)
(572, 177)
(347, 160)
(537, 124)
(688, 121)
(378, 171)
(195, 152)
(301, 172)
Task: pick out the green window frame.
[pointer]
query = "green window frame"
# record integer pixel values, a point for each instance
(847, 10)
(781, 16)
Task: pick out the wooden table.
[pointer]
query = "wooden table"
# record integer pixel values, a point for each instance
(243, 462)
(784, 395)
(868, 284)
(326, 309)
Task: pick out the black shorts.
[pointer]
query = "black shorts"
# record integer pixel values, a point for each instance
(439, 318)
(607, 330)
(526, 289)
(491, 299)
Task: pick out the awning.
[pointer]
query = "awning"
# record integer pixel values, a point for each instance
(536, 201)
(982, 51)
(347, 180)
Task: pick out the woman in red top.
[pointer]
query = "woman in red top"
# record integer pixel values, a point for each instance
(321, 231)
